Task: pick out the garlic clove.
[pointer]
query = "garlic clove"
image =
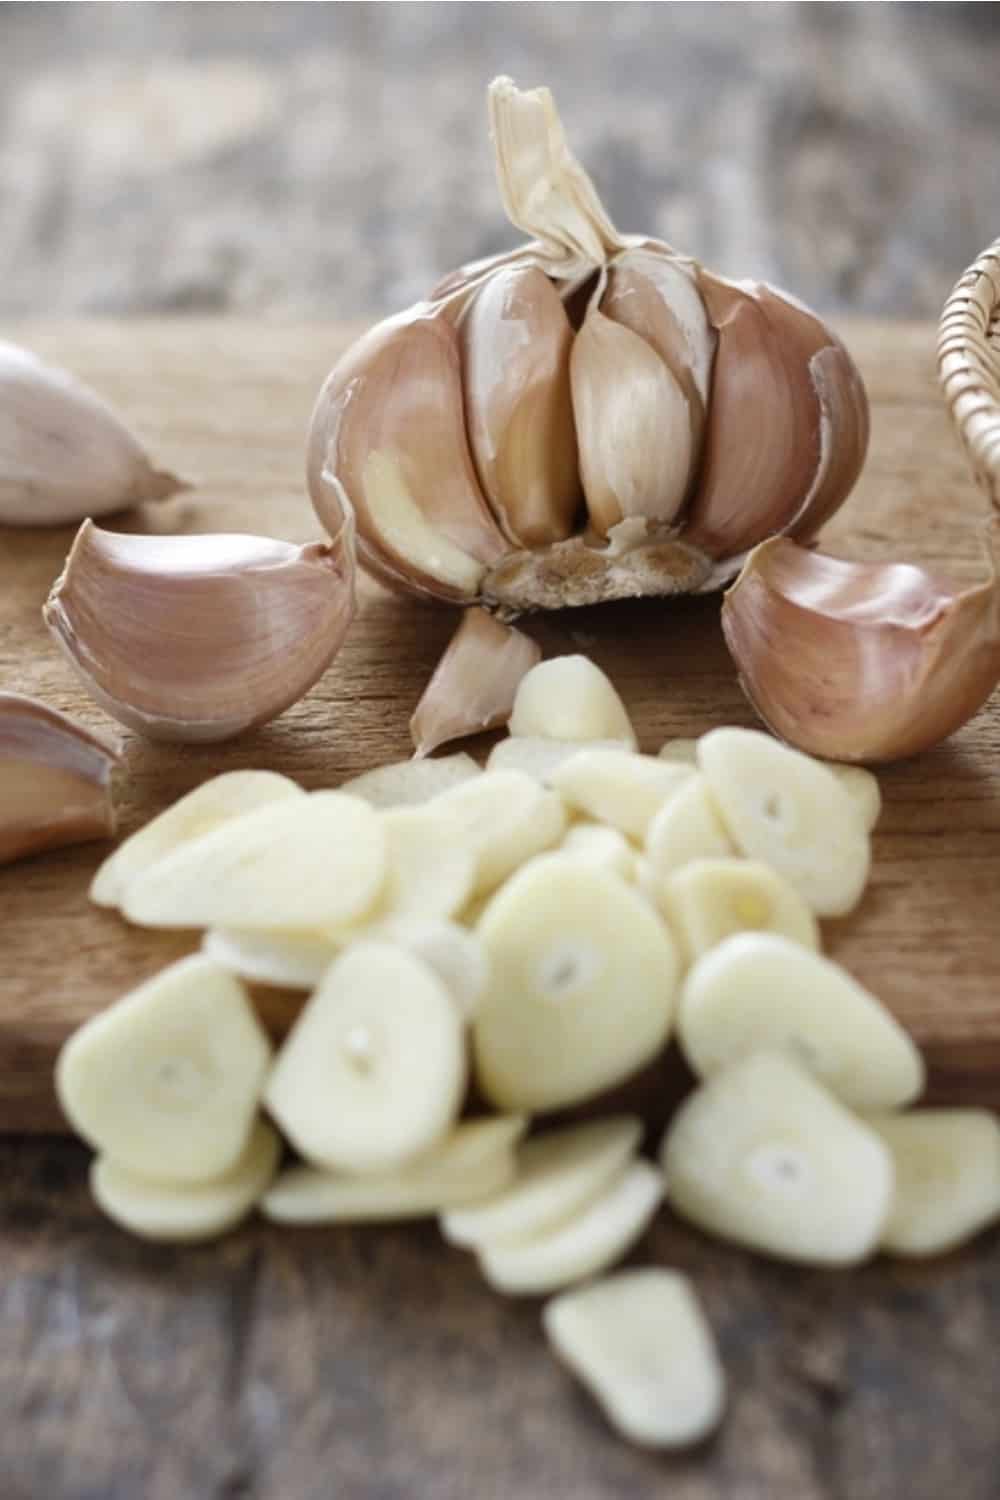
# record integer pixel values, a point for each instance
(55, 780)
(570, 698)
(686, 827)
(619, 787)
(947, 1164)
(408, 783)
(710, 900)
(540, 757)
(64, 453)
(475, 682)
(515, 340)
(504, 817)
(196, 638)
(876, 660)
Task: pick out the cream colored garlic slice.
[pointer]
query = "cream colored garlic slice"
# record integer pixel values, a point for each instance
(686, 827)
(756, 991)
(947, 1164)
(303, 863)
(456, 955)
(710, 900)
(764, 1155)
(640, 1343)
(862, 788)
(406, 783)
(373, 1071)
(205, 808)
(600, 847)
(619, 787)
(569, 698)
(539, 757)
(430, 872)
(791, 812)
(557, 1175)
(581, 992)
(504, 817)
(591, 1241)
(290, 960)
(187, 1211)
(166, 1081)
(475, 1160)
(683, 751)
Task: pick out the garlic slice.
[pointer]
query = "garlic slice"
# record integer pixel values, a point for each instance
(570, 698)
(187, 1211)
(600, 847)
(591, 1241)
(473, 685)
(618, 787)
(582, 978)
(456, 956)
(429, 873)
(759, 992)
(684, 751)
(504, 817)
(55, 780)
(303, 862)
(201, 810)
(290, 960)
(558, 1174)
(373, 1071)
(640, 1343)
(196, 638)
(686, 827)
(710, 900)
(166, 1081)
(947, 1164)
(764, 1155)
(406, 783)
(540, 757)
(862, 788)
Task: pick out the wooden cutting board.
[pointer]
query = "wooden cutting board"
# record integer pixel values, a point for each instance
(227, 404)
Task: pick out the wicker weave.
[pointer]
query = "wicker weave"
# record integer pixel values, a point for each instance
(969, 365)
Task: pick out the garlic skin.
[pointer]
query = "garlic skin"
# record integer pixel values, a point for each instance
(475, 682)
(196, 638)
(862, 661)
(55, 780)
(64, 453)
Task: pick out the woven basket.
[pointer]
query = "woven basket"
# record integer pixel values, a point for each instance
(969, 365)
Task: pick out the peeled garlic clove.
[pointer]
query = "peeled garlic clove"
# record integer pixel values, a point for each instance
(756, 991)
(947, 1164)
(782, 808)
(570, 698)
(601, 848)
(877, 660)
(539, 757)
(196, 638)
(205, 808)
(618, 787)
(685, 751)
(504, 817)
(686, 827)
(582, 978)
(187, 1211)
(373, 1071)
(388, 432)
(166, 1081)
(290, 960)
(591, 1241)
(474, 683)
(710, 900)
(764, 1155)
(64, 453)
(429, 873)
(558, 1175)
(515, 341)
(305, 862)
(55, 780)
(407, 783)
(640, 1343)
(457, 957)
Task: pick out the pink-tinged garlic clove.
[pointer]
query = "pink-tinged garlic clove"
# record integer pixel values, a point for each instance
(55, 780)
(196, 638)
(475, 682)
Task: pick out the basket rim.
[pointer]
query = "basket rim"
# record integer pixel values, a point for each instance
(968, 354)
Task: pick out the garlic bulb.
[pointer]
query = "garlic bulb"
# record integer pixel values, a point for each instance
(55, 780)
(199, 637)
(64, 453)
(590, 416)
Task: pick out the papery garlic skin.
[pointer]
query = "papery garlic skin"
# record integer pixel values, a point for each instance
(64, 453)
(475, 682)
(55, 780)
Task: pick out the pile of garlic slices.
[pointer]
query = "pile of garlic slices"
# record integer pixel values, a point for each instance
(536, 931)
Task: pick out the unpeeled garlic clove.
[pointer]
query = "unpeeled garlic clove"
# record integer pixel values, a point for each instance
(197, 638)
(64, 453)
(55, 780)
(862, 661)
(475, 682)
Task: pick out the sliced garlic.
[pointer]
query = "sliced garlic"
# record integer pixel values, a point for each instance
(539, 758)
(710, 900)
(756, 991)
(429, 873)
(686, 827)
(569, 698)
(406, 783)
(582, 979)
(764, 1155)
(504, 817)
(591, 1241)
(641, 1344)
(302, 862)
(602, 847)
(290, 960)
(557, 1175)
(685, 751)
(473, 685)
(783, 808)
(457, 956)
(207, 807)
(187, 1211)
(862, 788)
(373, 1071)
(618, 787)
(947, 1164)
(166, 1081)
